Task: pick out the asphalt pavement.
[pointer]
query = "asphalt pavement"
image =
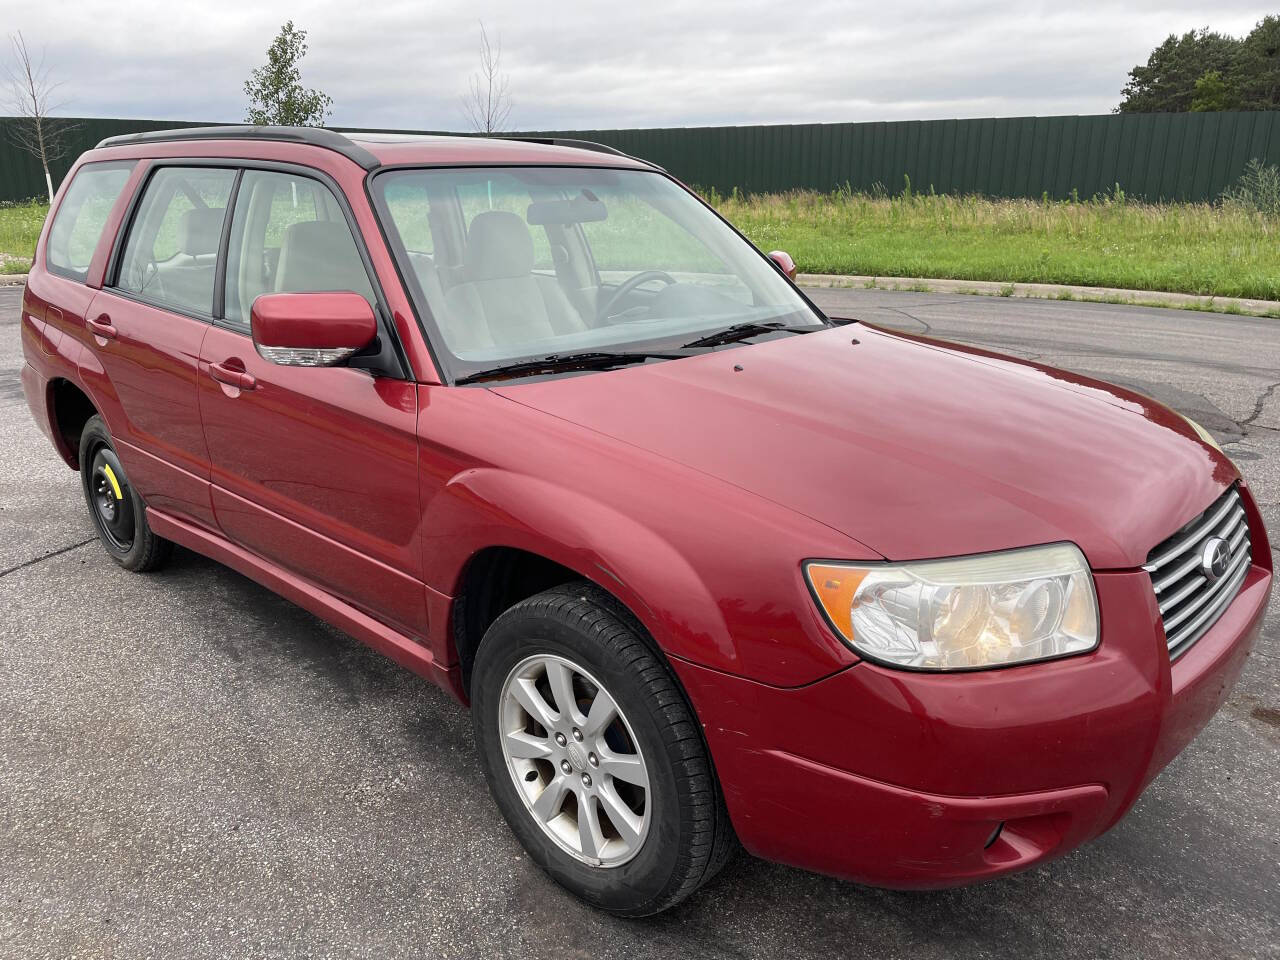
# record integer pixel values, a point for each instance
(191, 767)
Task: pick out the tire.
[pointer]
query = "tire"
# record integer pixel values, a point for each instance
(118, 513)
(684, 836)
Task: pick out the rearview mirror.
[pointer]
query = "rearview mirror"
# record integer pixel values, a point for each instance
(311, 329)
(784, 262)
(582, 209)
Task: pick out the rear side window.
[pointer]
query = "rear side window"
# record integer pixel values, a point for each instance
(288, 235)
(77, 226)
(171, 253)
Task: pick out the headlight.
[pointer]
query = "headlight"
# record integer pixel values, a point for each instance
(988, 610)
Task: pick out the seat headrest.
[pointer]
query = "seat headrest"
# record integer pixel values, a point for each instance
(498, 247)
(318, 255)
(200, 230)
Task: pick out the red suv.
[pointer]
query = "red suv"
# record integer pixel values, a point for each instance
(708, 566)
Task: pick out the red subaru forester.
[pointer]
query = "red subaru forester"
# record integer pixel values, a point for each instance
(708, 566)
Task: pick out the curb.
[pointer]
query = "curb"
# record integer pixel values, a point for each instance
(1048, 291)
(12, 279)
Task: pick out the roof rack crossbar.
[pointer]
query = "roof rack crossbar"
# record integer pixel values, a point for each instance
(314, 136)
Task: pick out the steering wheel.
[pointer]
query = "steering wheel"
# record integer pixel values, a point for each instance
(624, 288)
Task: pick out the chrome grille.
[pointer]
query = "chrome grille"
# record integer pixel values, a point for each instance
(1190, 601)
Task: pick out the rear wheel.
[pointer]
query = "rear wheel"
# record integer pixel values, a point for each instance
(118, 514)
(593, 755)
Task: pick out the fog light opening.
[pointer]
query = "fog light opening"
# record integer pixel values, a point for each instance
(995, 835)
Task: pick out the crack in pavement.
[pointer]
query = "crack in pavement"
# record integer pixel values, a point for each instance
(48, 556)
(1260, 404)
(928, 328)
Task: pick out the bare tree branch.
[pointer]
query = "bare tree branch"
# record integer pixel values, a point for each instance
(487, 103)
(30, 98)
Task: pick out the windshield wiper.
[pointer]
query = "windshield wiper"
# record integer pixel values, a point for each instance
(740, 331)
(560, 362)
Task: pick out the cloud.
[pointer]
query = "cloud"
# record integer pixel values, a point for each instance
(596, 65)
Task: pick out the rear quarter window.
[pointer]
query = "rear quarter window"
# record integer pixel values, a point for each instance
(77, 226)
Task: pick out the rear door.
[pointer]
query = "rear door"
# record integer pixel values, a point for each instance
(313, 468)
(146, 327)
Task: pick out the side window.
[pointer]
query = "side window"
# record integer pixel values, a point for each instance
(77, 227)
(171, 252)
(288, 235)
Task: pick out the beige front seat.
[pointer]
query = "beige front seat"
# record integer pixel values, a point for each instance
(320, 255)
(499, 300)
(186, 279)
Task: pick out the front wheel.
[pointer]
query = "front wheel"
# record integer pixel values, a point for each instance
(593, 755)
(118, 513)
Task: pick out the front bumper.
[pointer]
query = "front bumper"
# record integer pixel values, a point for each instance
(914, 780)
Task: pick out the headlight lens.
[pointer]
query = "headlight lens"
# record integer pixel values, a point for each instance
(988, 610)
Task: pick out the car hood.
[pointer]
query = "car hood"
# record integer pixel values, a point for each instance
(913, 447)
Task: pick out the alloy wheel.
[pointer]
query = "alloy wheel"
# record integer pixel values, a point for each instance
(574, 760)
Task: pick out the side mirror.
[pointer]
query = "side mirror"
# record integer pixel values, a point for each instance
(784, 262)
(311, 329)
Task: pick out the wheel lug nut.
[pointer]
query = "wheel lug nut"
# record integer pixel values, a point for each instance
(560, 739)
(586, 779)
(566, 767)
(577, 734)
(593, 760)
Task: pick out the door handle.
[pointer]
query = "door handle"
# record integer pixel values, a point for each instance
(101, 326)
(232, 377)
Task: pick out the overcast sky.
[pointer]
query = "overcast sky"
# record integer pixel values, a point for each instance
(405, 63)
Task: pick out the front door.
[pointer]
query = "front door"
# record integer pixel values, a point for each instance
(313, 468)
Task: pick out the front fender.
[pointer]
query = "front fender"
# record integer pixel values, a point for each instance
(487, 507)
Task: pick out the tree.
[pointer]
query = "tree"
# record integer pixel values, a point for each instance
(487, 103)
(1258, 67)
(275, 91)
(1167, 82)
(1213, 93)
(31, 92)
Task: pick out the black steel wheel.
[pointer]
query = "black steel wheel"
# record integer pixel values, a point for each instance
(118, 513)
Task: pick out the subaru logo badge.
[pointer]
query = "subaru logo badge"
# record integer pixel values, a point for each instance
(1215, 559)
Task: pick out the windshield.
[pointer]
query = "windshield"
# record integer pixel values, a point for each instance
(510, 264)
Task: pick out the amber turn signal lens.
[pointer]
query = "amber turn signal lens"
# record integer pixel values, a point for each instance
(835, 588)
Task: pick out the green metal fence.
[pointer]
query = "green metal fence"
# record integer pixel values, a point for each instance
(1163, 156)
(21, 177)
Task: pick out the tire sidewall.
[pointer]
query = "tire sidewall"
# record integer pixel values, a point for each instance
(514, 637)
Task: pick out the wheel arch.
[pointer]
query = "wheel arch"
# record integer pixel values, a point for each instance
(548, 535)
(70, 408)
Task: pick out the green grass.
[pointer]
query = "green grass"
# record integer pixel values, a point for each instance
(20, 225)
(1206, 249)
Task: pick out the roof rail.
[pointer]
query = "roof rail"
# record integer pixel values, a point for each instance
(568, 142)
(578, 144)
(314, 136)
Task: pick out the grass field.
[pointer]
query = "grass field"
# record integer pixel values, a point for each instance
(19, 227)
(1211, 250)
(1185, 248)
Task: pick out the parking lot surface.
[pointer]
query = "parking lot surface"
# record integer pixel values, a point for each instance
(192, 767)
